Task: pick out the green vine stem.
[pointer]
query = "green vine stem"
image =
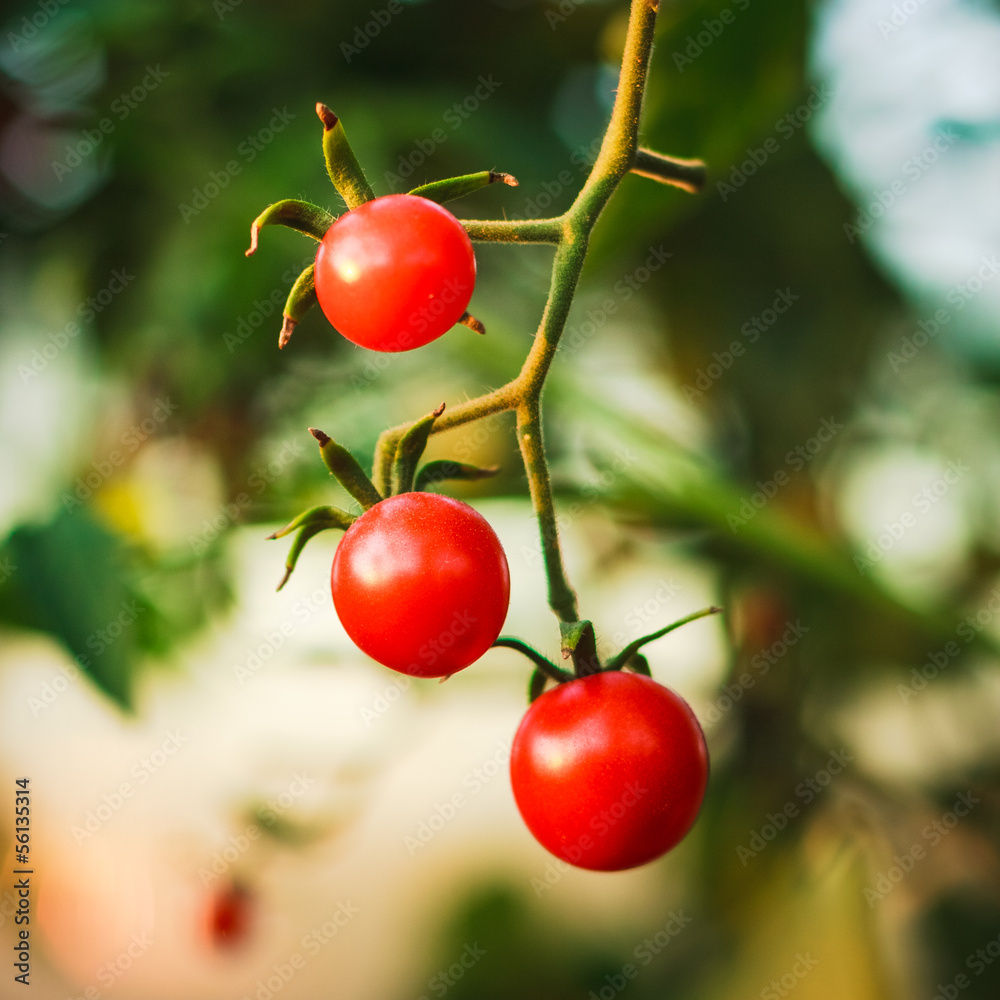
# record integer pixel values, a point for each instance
(570, 235)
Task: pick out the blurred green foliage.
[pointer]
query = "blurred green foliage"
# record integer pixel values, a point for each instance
(207, 112)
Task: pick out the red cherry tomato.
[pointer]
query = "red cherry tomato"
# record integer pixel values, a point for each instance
(609, 770)
(420, 583)
(395, 273)
(230, 916)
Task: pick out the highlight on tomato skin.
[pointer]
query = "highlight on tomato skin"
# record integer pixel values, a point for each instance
(420, 583)
(609, 771)
(395, 273)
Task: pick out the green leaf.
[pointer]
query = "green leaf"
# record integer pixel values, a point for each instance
(77, 581)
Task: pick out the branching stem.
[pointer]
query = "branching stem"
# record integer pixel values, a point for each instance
(570, 235)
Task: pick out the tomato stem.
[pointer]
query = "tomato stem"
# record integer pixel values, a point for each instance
(570, 235)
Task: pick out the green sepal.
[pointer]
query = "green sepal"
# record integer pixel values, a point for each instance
(345, 467)
(580, 643)
(625, 657)
(458, 187)
(341, 163)
(438, 471)
(688, 175)
(409, 451)
(536, 685)
(639, 664)
(305, 533)
(542, 663)
(301, 299)
(299, 215)
(332, 517)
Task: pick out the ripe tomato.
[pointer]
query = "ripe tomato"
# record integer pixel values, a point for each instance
(420, 583)
(395, 273)
(609, 770)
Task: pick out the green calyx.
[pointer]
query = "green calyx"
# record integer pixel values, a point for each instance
(458, 187)
(348, 472)
(409, 450)
(309, 524)
(629, 656)
(341, 163)
(301, 299)
(302, 216)
(438, 471)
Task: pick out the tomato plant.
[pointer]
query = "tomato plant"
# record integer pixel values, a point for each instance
(609, 770)
(395, 273)
(420, 583)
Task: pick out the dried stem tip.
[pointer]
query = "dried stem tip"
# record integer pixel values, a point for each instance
(326, 116)
(467, 319)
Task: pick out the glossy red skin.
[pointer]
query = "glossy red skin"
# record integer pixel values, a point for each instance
(420, 582)
(609, 771)
(395, 273)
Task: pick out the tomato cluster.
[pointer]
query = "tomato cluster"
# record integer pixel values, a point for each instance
(608, 768)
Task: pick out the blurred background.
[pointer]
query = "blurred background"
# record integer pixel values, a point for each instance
(780, 395)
